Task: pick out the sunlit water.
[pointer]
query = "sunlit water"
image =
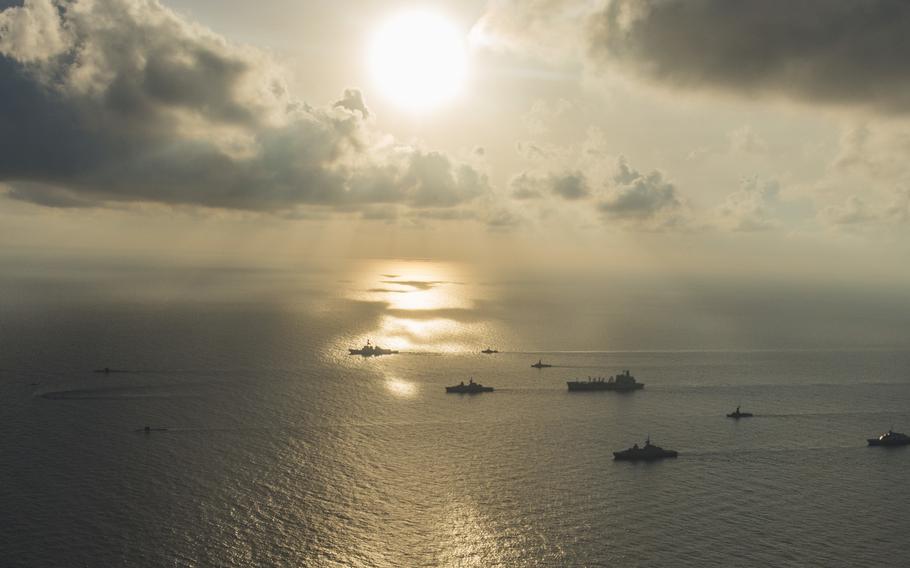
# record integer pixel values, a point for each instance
(282, 450)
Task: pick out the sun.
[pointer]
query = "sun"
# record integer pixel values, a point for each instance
(418, 60)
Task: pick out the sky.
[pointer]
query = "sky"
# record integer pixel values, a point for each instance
(740, 145)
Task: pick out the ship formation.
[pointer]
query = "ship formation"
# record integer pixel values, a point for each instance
(622, 382)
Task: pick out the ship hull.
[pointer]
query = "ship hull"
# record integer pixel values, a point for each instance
(887, 444)
(629, 455)
(465, 390)
(583, 386)
(373, 353)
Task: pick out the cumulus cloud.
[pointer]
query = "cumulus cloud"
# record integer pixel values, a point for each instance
(527, 186)
(856, 212)
(752, 208)
(353, 101)
(877, 150)
(837, 51)
(646, 199)
(570, 186)
(31, 32)
(124, 100)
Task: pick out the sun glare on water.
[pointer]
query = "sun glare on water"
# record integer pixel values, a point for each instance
(427, 306)
(418, 60)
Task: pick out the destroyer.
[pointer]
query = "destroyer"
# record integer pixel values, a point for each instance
(649, 452)
(891, 438)
(623, 382)
(489, 351)
(540, 364)
(370, 350)
(470, 388)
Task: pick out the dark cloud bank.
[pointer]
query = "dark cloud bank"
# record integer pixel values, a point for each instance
(123, 100)
(835, 51)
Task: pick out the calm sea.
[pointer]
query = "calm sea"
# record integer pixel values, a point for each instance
(282, 450)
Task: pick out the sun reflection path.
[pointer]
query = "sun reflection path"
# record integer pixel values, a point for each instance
(401, 388)
(467, 540)
(431, 306)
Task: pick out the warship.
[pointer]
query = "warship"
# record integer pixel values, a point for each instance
(370, 350)
(622, 382)
(470, 388)
(649, 452)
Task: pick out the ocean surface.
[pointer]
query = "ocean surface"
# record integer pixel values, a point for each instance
(279, 449)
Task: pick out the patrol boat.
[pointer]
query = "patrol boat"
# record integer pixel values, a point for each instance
(649, 452)
(891, 438)
(623, 382)
(370, 350)
(470, 388)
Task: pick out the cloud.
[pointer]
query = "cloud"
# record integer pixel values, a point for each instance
(835, 51)
(751, 208)
(570, 186)
(106, 101)
(352, 100)
(644, 199)
(854, 211)
(502, 219)
(876, 150)
(31, 32)
(546, 28)
(535, 151)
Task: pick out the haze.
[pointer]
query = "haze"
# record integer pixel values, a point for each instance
(675, 165)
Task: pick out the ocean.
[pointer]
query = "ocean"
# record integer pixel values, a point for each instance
(271, 446)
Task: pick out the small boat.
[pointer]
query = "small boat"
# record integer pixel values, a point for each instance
(470, 388)
(488, 351)
(890, 439)
(370, 350)
(737, 414)
(149, 430)
(540, 364)
(108, 370)
(649, 452)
